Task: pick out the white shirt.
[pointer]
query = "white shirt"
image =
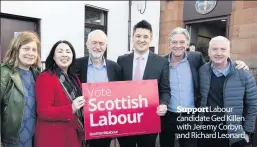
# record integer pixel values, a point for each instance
(143, 63)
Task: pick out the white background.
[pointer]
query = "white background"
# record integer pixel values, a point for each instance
(64, 20)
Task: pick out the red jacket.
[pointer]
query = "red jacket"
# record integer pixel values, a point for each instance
(56, 125)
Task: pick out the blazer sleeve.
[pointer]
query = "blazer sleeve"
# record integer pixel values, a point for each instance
(3, 85)
(250, 108)
(202, 60)
(45, 99)
(118, 60)
(120, 72)
(164, 85)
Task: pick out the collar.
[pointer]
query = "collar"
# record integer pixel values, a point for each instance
(219, 73)
(184, 59)
(144, 56)
(90, 62)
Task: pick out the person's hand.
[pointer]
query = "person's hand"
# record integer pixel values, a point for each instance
(161, 110)
(241, 65)
(78, 103)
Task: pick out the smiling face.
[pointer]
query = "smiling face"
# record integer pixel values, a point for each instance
(63, 56)
(219, 51)
(142, 40)
(178, 45)
(97, 44)
(28, 55)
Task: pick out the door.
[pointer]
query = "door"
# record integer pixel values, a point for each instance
(11, 25)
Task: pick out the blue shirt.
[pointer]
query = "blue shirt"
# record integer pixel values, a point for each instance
(96, 74)
(219, 73)
(181, 85)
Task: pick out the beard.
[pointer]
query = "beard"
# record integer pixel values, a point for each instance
(96, 55)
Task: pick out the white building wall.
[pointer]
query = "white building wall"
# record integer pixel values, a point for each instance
(151, 14)
(64, 20)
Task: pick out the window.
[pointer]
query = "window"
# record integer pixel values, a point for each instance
(94, 19)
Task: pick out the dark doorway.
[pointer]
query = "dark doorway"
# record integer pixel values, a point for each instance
(13, 24)
(201, 33)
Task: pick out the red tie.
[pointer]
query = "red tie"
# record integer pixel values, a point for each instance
(137, 75)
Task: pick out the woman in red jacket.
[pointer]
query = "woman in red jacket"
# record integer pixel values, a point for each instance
(59, 101)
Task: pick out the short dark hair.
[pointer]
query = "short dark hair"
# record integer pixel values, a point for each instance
(143, 24)
(50, 63)
(192, 44)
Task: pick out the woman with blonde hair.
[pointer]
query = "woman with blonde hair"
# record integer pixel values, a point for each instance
(17, 98)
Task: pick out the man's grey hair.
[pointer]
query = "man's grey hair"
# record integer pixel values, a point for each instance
(180, 30)
(218, 38)
(96, 32)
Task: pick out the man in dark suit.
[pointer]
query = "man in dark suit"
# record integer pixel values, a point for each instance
(95, 68)
(184, 83)
(183, 74)
(142, 65)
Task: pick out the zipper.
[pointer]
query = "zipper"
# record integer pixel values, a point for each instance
(224, 89)
(225, 82)
(208, 89)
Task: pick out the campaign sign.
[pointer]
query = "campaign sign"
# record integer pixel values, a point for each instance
(121, 108)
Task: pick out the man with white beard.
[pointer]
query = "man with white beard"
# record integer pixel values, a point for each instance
(95, 68)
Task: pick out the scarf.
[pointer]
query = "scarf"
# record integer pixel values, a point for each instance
(72, 89)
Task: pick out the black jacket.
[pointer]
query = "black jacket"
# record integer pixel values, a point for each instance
(157, 67)
(113, 69)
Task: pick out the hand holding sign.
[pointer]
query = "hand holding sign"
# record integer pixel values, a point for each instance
(161, 110)
(78, 103)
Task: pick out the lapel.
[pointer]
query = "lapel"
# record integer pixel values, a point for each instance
(109, 70)
(149, 63)
(17, 81)
(190, 61)
(34, 72)
(83, 67)
(129, 65)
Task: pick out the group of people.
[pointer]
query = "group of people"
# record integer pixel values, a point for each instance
(45, 109)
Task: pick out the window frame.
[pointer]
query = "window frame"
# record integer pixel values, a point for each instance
(95, 26)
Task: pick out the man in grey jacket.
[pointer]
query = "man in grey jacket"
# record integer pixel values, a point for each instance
(230, 95)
